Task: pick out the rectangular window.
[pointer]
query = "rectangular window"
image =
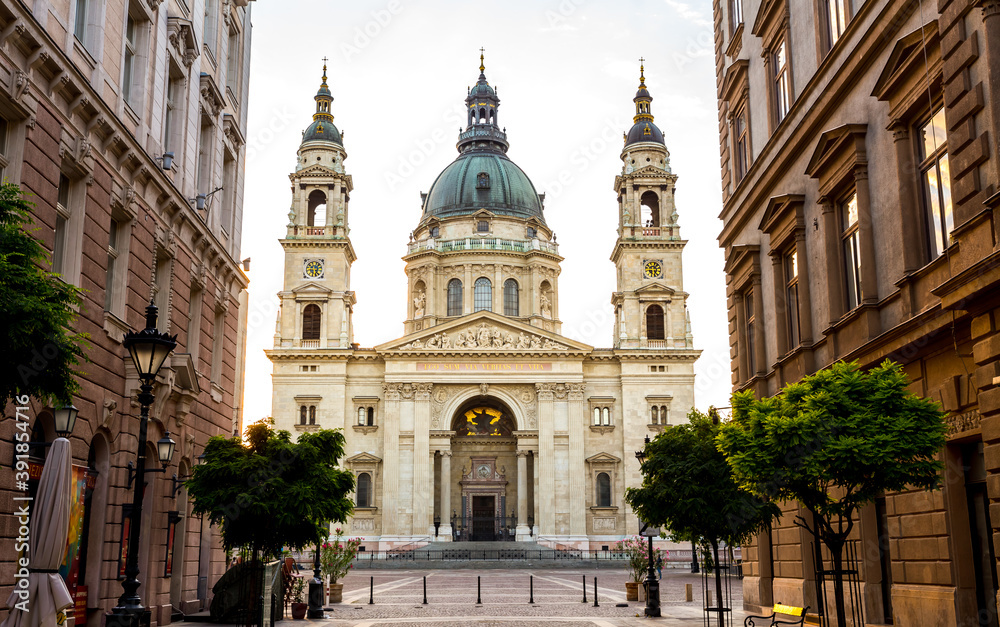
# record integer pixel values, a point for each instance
(218, 336)
(483, 226)
(792, 297)
(128, 75)
(4, 156)
(62, 218)
(736, 14)
(748, 312)
(173, 115)
(205, 156)
(851, 243)
(782, 85)
(211, 34)
(741, 144)
(935, 172)
(838, 17)
(113, 254)
(80, 25)
(194, 323)
(233, 64)
(228, 193)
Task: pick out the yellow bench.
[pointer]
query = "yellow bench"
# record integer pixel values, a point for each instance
(772, 620)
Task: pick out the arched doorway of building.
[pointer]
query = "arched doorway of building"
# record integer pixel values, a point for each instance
(484, 471)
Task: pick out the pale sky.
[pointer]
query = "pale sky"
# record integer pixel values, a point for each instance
(565, 71)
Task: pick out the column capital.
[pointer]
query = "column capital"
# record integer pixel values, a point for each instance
(576, 391)
(520, 452)
(991, 8)
(546, 391)
(861, 172)
(392, 391)
(422, 391)
(445, 453)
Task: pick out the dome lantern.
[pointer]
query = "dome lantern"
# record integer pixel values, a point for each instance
(322, 127)
(643, 129)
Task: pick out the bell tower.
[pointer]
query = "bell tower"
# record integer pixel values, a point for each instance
(650, 309)
(316, 300)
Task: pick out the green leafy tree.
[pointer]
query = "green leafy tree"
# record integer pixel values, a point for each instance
(37, 310)
(269, 492)
(689, 488)
(835, 441)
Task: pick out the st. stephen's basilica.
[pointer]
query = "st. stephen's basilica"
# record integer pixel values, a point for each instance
(483, 416)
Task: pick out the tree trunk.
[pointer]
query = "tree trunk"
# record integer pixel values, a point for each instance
(718, 582)
(836, 551)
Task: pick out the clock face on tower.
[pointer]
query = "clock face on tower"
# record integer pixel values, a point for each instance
(652, 270)
(313, 269)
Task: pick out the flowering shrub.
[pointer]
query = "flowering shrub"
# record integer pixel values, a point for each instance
(636, 551)
(335, 557)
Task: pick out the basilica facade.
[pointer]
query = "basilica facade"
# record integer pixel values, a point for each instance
(483, 421)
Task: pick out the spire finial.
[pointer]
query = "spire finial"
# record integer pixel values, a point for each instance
(642, 72)
(324, 69)
(482, 57)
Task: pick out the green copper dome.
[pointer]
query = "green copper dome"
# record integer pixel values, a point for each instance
(482, 177)
(322, 130)
(483, 180)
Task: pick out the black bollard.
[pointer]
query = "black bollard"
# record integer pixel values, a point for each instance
(371, 592)
(532, 584)
(595, 593)
(479, 595)
(584, 589)
(425, 589)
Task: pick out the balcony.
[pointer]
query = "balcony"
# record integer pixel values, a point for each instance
(483, 243)
(298, 231)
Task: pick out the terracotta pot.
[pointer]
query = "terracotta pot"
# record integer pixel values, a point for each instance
(299, 610)
(336, 592)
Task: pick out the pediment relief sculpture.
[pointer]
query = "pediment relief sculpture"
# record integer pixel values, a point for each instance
(485, 336)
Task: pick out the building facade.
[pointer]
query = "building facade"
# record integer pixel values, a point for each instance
(124, 121)
(859, 175)
(483, 417)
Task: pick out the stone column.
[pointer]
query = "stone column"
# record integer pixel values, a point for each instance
(577, 423)
(523, 533)
(468, 291)
(869, 278)
(444, 534)
(390, 461)
(834, 271)
(741, 348)
(498, 288)
(668, 324)
(760, 354)
(545, 496)
(423, 483)
(912, 232)
(805, 295)
(991, 24)
(781, 304)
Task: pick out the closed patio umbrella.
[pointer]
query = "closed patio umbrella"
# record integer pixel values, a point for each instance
(49, 524)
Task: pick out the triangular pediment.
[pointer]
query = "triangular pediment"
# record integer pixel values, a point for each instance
(317, 169)
(603, 458)
(484, 331)
(311, 288)
(656, 288)
(363, 458)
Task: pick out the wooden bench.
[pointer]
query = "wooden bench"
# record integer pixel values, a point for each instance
(784, 610)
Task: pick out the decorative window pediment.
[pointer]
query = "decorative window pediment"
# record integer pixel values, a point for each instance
(837, 153)
(903, 82)
(736, 82)
(771, 21)
(783, 216)
(742, 263)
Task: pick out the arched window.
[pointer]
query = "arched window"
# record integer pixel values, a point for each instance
(597, 416)
(312, 414)
(663, 414)
(316, 216)
(654, 415)
(650, 209)
(361, 415)
(484, 295)
(510, 298)
(371, 416)
(364, 490)
(311, 316)
(606, 412)
(603, 490)
(454, 297)
(482, 116)
(303, 415)
(654, 322)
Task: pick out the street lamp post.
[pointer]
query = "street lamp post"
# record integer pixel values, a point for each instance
(149, 349)
(316, 589)
(652, 585)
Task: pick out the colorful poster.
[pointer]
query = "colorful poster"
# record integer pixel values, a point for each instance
(82, 483)
(123, 547)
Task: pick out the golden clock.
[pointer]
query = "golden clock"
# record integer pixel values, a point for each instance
(652, 270)
(314, 268)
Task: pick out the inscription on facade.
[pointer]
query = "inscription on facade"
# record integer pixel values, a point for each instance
(484, 367)
(604, 524)
(363, 524)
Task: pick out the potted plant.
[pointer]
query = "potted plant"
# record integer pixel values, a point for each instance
(298, 595)
(335, 561)
(636, 552)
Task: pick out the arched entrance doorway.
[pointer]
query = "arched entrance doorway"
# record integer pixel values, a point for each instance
(484, 451)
